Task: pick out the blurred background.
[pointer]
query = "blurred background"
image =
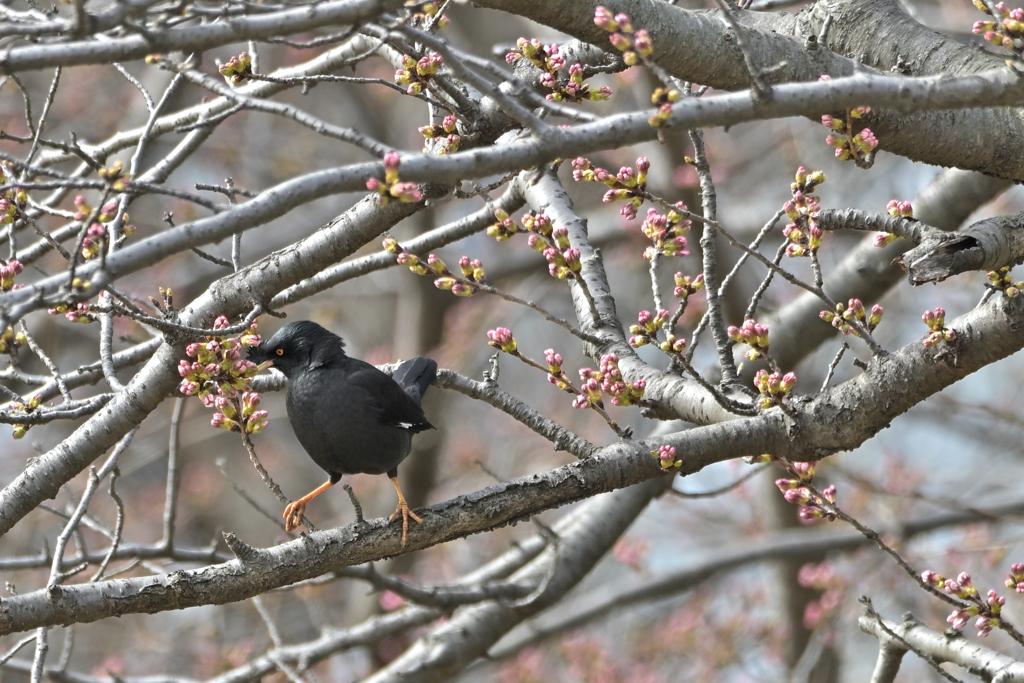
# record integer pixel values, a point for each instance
(957, 451)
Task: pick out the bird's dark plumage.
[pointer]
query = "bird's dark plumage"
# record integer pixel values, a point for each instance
(349, 416)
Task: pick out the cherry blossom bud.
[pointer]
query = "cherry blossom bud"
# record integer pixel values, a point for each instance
(804, 470)
(501, 338)
(620, 41)
(604, 19)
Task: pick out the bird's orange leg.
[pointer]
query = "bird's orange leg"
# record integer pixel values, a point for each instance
(293, 513)
(403, 511)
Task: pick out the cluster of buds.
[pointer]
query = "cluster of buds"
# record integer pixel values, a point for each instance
(391, 187)
(501, 338)
(589, 394)
(936, 322)
(998, 280)
(563, 259)
(11, 341)
(844, 315)
(902, 209)
(237, 69)
(754, 335)
(987, 610)
(93, 241)
(686, 285)
(1016, 580)
(445, 135)
(803, 233)
(1008, 29)
(83, 209)
(666, 456)
(632, 44)
(646, 332)
(106, 213)
(608, 380)
(666, 232)
(663, 98)
(546, 58)
(575, 89)
(417, 74)
(215, 367)
(82, 312)
(627, 185)
(556, 375)
(605, 380)
(466, 284)
(12, 202)
(8, 272)
(849, 145)
(636, 46)
(797, 492)
(428, 15)
(232, 419)
(115, 175)
(896, 209)
(533, 222)
(552, 243)
(11, 205)
(773, 387)
(21, 429)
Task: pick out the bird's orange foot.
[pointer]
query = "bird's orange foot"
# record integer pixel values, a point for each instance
(405, 513)
(293, 515)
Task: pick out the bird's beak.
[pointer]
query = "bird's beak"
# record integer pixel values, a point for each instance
(264, 365)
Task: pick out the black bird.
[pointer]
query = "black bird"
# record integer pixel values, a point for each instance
(349, 416)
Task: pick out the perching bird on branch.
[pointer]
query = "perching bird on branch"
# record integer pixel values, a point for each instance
(349, 416)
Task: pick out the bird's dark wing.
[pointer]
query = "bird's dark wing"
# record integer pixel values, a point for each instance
(415, 376)
(392, 405)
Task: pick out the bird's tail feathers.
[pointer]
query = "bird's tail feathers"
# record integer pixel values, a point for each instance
(415, 375)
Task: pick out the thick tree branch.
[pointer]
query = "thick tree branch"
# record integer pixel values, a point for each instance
(989, 244)
(692, 46)
(941, 647)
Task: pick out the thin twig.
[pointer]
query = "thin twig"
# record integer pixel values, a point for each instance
(39, 660)
(173, 472)
(724, 489)
(833, 365)
(707, 244)
(50, 365)
(275, 519)
(50, 95)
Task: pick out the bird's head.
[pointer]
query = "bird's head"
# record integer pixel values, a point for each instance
(298, 346)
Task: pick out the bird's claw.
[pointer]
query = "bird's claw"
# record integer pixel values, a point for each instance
(293, 515)
(405, 513)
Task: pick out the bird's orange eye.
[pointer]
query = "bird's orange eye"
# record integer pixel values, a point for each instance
(279, 352)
